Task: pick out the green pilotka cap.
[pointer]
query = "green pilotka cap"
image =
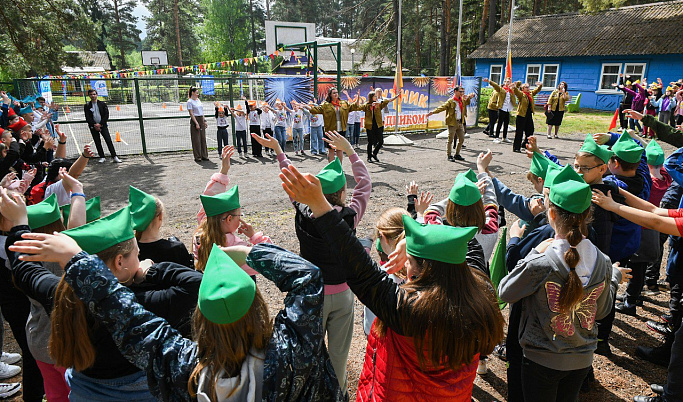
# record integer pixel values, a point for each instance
(539, 165)
(43, 213)
(550, 173)
(221, 203)
(143, 208)
(226, 292)
(590, 146)
(103, 233)
(471, 175)
(378, 246)
(437, 242)
(464, 191)
(654, 154)
(92, 210)
(332, 177)
(627, 149)
(570, 192)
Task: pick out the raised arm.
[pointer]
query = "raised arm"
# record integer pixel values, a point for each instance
(77, 168)
(663, 224)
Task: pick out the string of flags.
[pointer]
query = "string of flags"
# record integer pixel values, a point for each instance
(214, 67)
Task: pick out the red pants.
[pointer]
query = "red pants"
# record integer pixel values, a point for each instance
(56, 389)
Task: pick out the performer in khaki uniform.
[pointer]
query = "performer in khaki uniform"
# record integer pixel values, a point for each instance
(456, 113)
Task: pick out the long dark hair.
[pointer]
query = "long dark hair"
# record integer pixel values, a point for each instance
(566, 89)
(329, 94)
(191, 91)
(454, 314)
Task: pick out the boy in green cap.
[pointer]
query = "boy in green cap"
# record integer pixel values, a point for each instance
(338, 310)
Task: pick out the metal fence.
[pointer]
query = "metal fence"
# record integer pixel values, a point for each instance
(148, 114)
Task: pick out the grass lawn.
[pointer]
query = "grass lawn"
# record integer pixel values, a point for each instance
(586, 121)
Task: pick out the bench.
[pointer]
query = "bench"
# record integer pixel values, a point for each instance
(574, 105)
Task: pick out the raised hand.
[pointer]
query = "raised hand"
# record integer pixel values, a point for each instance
(397, 259)
(338, 142)
(13, 207)
(485, 79)
(484, 160)
(71, 185)
(58, 248)
(246, 229)
(632, 114)
(412, 188)
(532, 146)
(423, 202)
(268, 142)
(87, 152)
(226, 154)
(601, 138)
(306, 189)
(8, 179)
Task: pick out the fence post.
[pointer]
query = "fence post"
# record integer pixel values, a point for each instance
(142, 122)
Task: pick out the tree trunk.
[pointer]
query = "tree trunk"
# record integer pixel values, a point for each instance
(443, 50)
(492, 18)
(416, 21)
(253, 34)
(119, 34)
(482, 25)
(177, 32)
(536, 9)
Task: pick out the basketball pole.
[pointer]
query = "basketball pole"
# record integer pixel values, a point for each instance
(396, 138)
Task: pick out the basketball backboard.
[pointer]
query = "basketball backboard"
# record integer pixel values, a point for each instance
(154, 58)
(287, 33)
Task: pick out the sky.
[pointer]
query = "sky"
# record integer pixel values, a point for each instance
(140, 11)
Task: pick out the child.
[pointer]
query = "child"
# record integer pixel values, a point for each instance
(281, 123)
(298, 129)
(254, 116)
(222, 135)
(220, 218)
(338, 304)
(562, 275)
(317, 143)
(240, 129)
(147, 213)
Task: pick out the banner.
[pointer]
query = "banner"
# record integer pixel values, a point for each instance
(101, 87)
(208, 85)
(45, 90)
(472, 85)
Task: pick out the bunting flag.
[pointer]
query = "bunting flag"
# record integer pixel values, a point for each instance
(498, 270)
(613, 124)
(508, 67)
(398, 84)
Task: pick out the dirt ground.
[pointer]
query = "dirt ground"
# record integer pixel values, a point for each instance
(178, 181)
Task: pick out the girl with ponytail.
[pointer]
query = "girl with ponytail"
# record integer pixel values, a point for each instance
(565, 285)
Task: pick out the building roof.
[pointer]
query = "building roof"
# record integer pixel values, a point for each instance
(91, 62)
(655, 28)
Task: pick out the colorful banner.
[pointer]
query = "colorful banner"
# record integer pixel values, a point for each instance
(45, 91)
(208, 87)
(101, 87)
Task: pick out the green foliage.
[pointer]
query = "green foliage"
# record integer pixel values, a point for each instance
(484, 96)
(163, 34)
(226, 33)
(121, 31)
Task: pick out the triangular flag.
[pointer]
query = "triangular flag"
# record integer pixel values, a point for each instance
(613, 124)
(498, 269)
(508, 67)
(398, 84)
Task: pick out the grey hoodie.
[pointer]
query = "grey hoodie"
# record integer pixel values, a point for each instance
(245, 387)
(554, 340)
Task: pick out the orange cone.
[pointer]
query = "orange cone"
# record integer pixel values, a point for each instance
(181, 108)
(118, 137)
(67, 110)
(118, 108)
(164, 105)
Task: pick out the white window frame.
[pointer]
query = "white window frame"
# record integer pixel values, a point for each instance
(502, 71)
(644, 65)
(557, 76)
(540, 71)
(602, 73)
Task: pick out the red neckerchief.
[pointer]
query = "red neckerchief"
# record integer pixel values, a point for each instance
(336, 104)
(459, 100)
(507, 89)
(531, 99)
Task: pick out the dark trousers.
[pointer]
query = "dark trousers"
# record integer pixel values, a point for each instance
(256, 148)
(104, 132)
(376, 140)
(493, 116)
(241, 141)
(222, 137)
(503, 120)
(673, 390)
(623, 120)
(523, 126)
(543, 384)
(653, 268)
(15, 309)
(605, 325)
(675, 300)
(514, 355)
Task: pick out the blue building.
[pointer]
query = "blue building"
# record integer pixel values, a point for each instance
(589, 51)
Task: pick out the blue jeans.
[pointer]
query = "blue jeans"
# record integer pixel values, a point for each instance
(317, 143)
(222, 138)
(298, 139)
(350, 131)
(281, 136)
(241, 141)
(356, 133)
(632, 124)
(85, 389)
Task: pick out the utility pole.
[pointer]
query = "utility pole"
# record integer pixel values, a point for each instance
(253, 35)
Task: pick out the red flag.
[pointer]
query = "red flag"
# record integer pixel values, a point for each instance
(398, 84)
(508, 67)
(613, 124)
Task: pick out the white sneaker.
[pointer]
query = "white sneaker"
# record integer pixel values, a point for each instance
(10, 358)
(467, 136)
(482, 369)
(9, 389)
(101, 160)
(496, 141)
(505, 140)
(8, 371)
(117, 160)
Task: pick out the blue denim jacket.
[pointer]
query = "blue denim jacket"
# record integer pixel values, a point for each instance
(297, 365)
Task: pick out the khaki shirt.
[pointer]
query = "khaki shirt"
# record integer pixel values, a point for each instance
(523, 99)
(330, 114)
(378, 114)
(498, 97)
(555, 97)
(449, 107)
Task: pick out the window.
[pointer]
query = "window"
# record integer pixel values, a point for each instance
(635, 70)
(609, 76)
(496, 73)
(533, 73)
(550, 72)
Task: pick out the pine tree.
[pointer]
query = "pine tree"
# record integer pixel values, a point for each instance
(173, 26)
(122, 32)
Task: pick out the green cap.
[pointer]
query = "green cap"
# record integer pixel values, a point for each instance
(143, 208)
(627, 149)
(226, 292)
(471, 175)
(539, 165)
(379, 246)
(590, 146)
(332, 177)
(464, 191)
(103, 233)
(654, 153)
(221, 203)
(570, 192)
(92, 210)
(437, 242)
(550, 173)
(28, 109)
(43, 213)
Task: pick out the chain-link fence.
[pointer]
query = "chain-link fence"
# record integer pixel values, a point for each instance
(149, 114)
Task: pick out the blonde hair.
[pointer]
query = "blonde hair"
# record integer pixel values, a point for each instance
(207, 234)
(390, 225)
(224, 347)
(159, 209)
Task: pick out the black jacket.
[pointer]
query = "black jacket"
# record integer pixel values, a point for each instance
(104, 113)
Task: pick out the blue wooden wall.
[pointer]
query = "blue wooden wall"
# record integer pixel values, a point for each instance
(582, 74)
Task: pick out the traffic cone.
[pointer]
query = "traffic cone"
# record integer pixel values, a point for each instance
(118, 108)
(67, 110)
(181, 108)
(118, 137)
(164, 105)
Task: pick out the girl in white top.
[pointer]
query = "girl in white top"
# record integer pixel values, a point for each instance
(317, 143)
(298, 129)
(281, 123)
(197, 126)
(267, 118)
(240, 128)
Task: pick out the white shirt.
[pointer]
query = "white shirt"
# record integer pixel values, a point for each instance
(267, 119)
(254, 118)
(195, 106)
(280, 118)
(240, 122)
(507, 105)
(222, 121)
(63, 198)
(298, 119)
(316, 119)
(458, 113)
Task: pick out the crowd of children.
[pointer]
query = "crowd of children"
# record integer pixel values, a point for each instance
(104, 308)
